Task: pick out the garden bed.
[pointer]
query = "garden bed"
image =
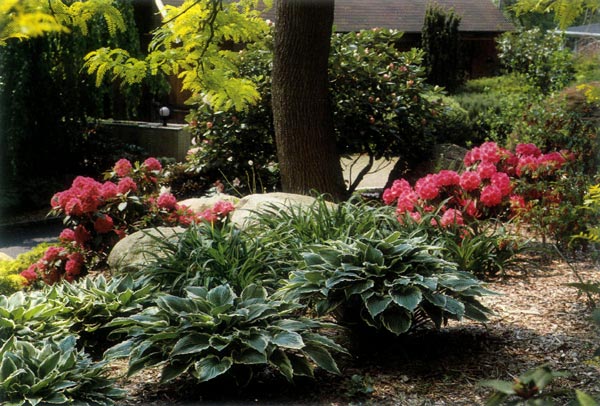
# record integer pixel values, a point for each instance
(539, 320)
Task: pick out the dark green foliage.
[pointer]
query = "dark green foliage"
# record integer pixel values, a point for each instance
(378, 101)
(539, 56)
(392, 284)
(208, 255)
(440, 39)
(45, 102)
(213, 332)
(52, 372)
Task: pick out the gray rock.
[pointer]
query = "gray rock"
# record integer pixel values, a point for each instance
(200, 204)
(248, 206)
(139, 248)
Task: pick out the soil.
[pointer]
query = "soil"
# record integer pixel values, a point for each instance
(538, 320)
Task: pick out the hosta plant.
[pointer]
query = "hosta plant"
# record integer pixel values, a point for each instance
(214, 332)
(391, 284)
(32, 316)
(52, 372)
(93, 302)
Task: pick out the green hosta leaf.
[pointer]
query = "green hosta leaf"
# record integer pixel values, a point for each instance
(48, 364)
(312, 259)
(454, 307)
(175, 304)
(476, 311)
(221, 296)
(288, 339)
(250, 356)
(219, 342)
(191, 344)
(408, 297)
(7, 368)
(301, 365)
(173, 370)
(253, 294)
(339, 278)
(436, 299)
(377, 304)
(359, 287)
(322, 358)
(374, 256)
(120, 350)
(312, 338)
(508, 388)
(584, 399)
(256, 341)
(280, 360)
(196, 292)
(396, 322)
(56, 399)
(211, 367)
(314, 276)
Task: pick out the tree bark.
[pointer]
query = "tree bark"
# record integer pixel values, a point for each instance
(302, 117)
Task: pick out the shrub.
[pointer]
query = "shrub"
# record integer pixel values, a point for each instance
(213, 332)
(440, 39)
(99, 214)
(539, 56)
(494, 105)
(497, 183)
(378, 96)
(52, 372)
(10, 278)
(377, 102)
(567, 120)
(391, 284)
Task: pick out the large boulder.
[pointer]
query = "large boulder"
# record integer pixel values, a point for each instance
(200, 204)
(250, 205)
(141, 247)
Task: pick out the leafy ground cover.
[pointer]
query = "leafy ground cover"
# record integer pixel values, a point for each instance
(538, 320)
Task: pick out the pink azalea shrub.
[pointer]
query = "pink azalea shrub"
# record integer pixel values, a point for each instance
(496, 183)
(99, 214)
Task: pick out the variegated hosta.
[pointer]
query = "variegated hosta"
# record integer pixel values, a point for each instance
(213, 332)
(81, 308)
(49, 372)
(394, 284)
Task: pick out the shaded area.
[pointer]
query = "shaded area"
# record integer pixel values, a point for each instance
(18, 238)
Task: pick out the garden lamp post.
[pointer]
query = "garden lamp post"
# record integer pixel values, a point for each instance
(164, 113)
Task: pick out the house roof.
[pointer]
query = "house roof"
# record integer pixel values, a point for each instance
(408, 15)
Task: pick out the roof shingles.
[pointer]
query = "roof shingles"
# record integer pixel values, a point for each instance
(408, 15)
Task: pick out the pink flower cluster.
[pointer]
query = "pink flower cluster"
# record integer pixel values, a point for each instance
(101, 213)
(484, 188)
(56, 263)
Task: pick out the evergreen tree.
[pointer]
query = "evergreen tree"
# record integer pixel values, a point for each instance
(440, 40)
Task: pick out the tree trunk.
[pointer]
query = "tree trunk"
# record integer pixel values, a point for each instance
(302, 117)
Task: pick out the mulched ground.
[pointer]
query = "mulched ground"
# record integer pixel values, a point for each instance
(539, 320)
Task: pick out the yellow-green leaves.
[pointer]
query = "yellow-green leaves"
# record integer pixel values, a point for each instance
(194, 43)
(23, 19)
(566, 11)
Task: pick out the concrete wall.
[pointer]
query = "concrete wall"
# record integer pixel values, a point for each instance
(172, 140)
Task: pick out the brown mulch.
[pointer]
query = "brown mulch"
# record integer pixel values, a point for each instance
(538, 320)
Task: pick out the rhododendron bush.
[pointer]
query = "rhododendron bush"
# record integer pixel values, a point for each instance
(496, 183)
(98, 214)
